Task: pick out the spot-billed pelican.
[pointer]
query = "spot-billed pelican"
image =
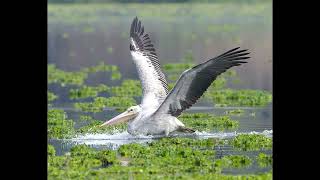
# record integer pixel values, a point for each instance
(157, 114)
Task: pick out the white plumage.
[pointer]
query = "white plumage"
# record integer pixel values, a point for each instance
(159, 109)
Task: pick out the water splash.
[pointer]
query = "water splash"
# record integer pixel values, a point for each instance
(113, 141)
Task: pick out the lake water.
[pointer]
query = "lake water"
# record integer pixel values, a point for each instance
(74, 45)
(101, 34)
(252, 121)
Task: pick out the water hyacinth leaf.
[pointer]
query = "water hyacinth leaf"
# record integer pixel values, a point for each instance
(264, 160)
(236, 161)
(128, 88)
(207, 122)
(87, 91)
(58, 126)
(251, 142)
(51, 96)
(170, 156)
(51, 150)
(99, 103)
(235, 112)
(78, 78)
(65, 78)
(245, 97)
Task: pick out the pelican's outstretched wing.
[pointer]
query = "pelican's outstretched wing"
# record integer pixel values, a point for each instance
(154, 84)
(195, 81)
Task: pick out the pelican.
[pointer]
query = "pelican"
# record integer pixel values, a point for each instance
(157, 114)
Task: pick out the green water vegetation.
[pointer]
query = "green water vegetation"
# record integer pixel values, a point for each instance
(51, 96)
(251, 142)
(99, 103)
(94, 128)
(128, 88)
(51, 150)
(64, 78)
(110, 50)
(87, 91)
(234, 161)
(102, 67)
(243, 97)
(235, 112)
(78, 78)
(264, 160)
(59, 126)
(208, 122)
(167, 158)
(79, 163)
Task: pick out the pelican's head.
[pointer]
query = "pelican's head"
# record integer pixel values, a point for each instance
(129, 114)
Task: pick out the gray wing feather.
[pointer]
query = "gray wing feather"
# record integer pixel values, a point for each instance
(195, 81)
(142, 43)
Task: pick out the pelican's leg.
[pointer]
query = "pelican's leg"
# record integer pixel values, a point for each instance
(185, 129)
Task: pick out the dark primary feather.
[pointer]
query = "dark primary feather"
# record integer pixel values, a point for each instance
(195, 81)
(145, 46)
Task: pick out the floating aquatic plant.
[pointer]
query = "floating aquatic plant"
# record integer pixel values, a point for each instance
(58, 126)
(167, 158)
(207, 122)
(235, 161)
(51, 150)
(88, 29)
(110, 50)
(234, 112)
(102, 67)
(94, 127)
(87, 91)
(128, 88)
(65, 78)
(78, 78)
(264, 160)
(251, 142)
(99, 103)
(51, 96)
(245, 97)
(79, 163)
(116, 75)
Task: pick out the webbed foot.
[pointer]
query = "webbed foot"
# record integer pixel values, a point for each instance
(185, 129)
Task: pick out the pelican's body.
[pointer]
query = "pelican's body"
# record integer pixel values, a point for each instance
(157, 114)
(146, 123)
